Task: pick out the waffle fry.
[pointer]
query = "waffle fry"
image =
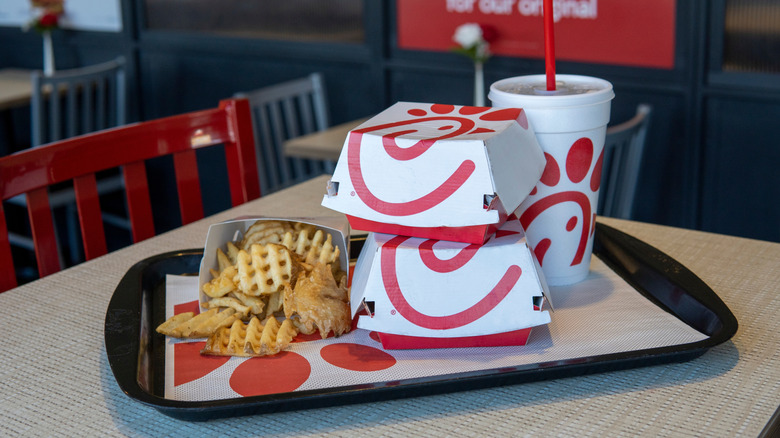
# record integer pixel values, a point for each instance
(255, 304)
(261, 340)
(232, 253)
(183, 330)
(174, 321)
(221, 319)
(278, 267)
(222, 284)
(298, 226)
(286, 334)
(275, 303)
(189, 325)
(223, 261)
(252, 339)
(313, 246)
(237, 338)
(265, 270)
(230, 303)
(263, 232)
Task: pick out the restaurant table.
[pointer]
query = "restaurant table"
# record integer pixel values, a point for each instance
(55, 377)
(15, 91)
(322, 145)
(15, 88)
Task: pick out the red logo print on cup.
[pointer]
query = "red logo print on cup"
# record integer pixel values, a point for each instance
(491, 299)
(452, 123)
(579, 161)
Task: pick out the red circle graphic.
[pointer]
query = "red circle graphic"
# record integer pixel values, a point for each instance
(356, 357)
(190, 306)
(595, 178)
(572, 223)
(261, 375)
(579, 159)
(470, 110)
(440, 108)
(189, 364)
(503, 114)
(552, 173)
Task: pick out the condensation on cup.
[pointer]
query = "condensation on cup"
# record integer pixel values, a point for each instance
(570, 123)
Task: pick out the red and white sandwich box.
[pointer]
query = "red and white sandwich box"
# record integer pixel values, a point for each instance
(422, 293)
(220, 234)
(436, 171)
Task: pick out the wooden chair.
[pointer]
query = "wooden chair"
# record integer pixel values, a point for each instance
(33, 170)
(281, 112)
(623, 152)
(78, 101)
(70, 103)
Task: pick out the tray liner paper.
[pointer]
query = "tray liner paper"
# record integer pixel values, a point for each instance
(600, 315)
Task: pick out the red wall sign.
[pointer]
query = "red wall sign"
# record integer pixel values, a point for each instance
(619, 32)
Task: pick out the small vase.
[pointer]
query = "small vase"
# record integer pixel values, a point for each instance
(48, 54)
(479, 85)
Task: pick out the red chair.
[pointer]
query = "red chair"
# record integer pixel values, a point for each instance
(78, 159)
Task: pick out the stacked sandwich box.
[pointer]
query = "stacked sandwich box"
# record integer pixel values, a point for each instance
(446, 263)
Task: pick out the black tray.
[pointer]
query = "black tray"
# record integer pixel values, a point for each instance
(136, 352)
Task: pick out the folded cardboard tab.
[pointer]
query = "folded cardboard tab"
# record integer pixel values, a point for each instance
(436, 171)
(431, 294)
(233, 230)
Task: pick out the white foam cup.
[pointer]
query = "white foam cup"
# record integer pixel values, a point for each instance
(570, 124)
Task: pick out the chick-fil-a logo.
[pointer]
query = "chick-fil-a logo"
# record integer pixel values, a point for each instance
(452, 124)
(579, 161)
(392, 286)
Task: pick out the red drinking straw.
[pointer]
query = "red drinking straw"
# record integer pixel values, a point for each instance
(549, 45)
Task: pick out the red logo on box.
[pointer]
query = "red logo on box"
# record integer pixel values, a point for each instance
(437, 112)
(464, 317)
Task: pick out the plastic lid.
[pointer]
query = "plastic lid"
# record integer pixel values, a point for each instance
(531, 92)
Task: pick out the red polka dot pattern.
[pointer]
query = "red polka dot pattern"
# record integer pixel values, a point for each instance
(190, 365)
(552, 173)
(571, 223)
(191, 306)
(356, 357)
(261, 375)
(579, 159)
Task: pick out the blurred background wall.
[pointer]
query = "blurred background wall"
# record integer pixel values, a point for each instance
(711, 159)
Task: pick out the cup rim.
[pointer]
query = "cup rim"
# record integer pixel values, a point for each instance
(606, 93)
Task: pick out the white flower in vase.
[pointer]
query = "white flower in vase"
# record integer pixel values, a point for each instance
(473, 41)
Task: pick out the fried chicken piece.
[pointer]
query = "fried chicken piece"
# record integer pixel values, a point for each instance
(317, 302)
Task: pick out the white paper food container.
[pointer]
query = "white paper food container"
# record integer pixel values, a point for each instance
(418, 290)
(232, 231)
(436, 171)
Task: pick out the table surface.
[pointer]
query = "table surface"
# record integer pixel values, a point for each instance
(15, 88)
(322, 145)
(55, 378)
